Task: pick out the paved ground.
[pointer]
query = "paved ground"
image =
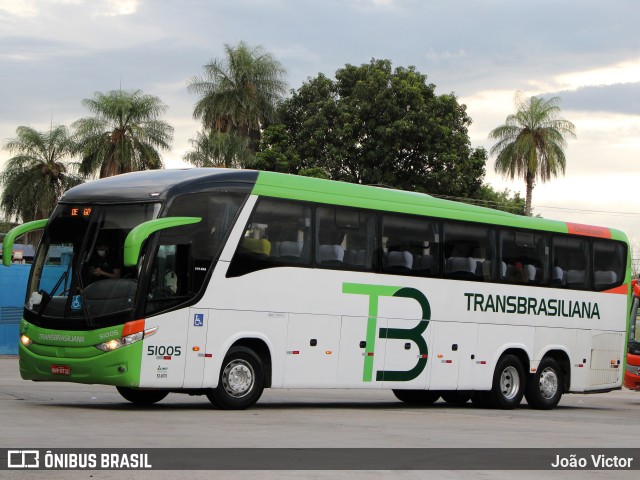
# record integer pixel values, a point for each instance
(56, 415)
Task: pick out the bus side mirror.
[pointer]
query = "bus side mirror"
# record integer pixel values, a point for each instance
(137, 236)
(9, 238)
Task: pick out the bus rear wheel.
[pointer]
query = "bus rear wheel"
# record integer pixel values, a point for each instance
(241, 380)
(545, 387)
(508, 384)
(417, 397)
(142, 397)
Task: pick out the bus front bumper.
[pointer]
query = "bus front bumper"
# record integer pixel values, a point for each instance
(120, 367)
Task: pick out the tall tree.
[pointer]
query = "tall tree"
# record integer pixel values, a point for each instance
(38, 173)
(239, 93)
(531, 142)
(217, 149)
(376, 125)
(124, 135)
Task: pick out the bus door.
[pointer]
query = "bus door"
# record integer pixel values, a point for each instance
(452, 356)
(362, 352)
(196, 354)
(313, 343)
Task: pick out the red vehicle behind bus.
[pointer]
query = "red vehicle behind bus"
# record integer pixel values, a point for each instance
(632, 373)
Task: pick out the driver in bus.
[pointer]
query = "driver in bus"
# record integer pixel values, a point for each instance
(104, 263)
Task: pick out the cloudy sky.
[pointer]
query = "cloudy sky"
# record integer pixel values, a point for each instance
(54, 53)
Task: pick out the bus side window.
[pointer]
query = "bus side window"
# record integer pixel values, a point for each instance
(278, 234)
(345, 238)
(469, 252)
(410, 245)
(571, 262)
(609, 262)
(523, 257)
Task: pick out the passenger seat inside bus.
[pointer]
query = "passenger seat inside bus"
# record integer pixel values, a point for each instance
(256, 246)
(484, 269)
(604, 279)
(462, 267)
(558, 276)
(331, 254)
(357, 258)
(398, 261)
(575, 278)
(423, 263)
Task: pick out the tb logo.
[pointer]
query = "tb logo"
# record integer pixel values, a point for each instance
(414, 334)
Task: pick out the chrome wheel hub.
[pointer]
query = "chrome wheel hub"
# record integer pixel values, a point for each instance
(238, 378)
(548, 383)
(509, 382)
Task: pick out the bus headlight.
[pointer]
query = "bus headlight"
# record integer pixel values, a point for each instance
(116, 343)
(26, 341)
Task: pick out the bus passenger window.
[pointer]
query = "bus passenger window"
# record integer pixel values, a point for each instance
(345, 238)
(609, 263)
(524, 257)
(278, 234)
(468, 252)
(571, 265)
(410, 245)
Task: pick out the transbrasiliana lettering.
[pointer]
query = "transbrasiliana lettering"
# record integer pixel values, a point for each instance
(477, 302)
(57, 337)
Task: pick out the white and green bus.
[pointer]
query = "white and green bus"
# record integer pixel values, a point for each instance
(225, 282)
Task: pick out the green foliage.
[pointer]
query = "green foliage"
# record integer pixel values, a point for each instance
(530, 144)
(379, 126)
(238, 96)
(488, 197)
(124, 135)
(39, 172)
(218, 149)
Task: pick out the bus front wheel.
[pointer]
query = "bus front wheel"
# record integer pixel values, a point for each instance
(508, 384)
(241, 380)
(142, 397)
(545, 387)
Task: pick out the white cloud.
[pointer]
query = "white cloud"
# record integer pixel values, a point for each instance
(444, 55)
(34, 8)
(623, 72)
(22, 8)
(120, 7)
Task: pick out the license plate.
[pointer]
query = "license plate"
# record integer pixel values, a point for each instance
(60, 370)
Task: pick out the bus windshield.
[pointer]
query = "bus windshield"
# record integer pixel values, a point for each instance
(78, 278)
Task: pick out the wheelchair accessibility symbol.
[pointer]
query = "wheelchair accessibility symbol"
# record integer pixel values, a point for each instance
(76, 302)
(198, 320)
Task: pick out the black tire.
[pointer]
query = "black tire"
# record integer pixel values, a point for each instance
(508, 384)
(456, 398)
(417, 397)
(546, 386)
(142, 397)
(241, 380)
(479, 399)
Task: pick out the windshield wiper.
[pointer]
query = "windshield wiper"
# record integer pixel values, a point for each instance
(47, 296)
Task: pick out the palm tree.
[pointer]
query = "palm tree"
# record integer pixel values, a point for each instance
(239, 94)
(218, 149)
(531, 143)
(39, 172)
(124, 135)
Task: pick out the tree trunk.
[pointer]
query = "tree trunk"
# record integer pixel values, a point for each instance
(530, 180)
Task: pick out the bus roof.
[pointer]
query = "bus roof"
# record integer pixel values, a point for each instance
(348, 194)
(159, 185)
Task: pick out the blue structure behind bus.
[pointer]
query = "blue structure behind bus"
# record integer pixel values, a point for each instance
(13, 285)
